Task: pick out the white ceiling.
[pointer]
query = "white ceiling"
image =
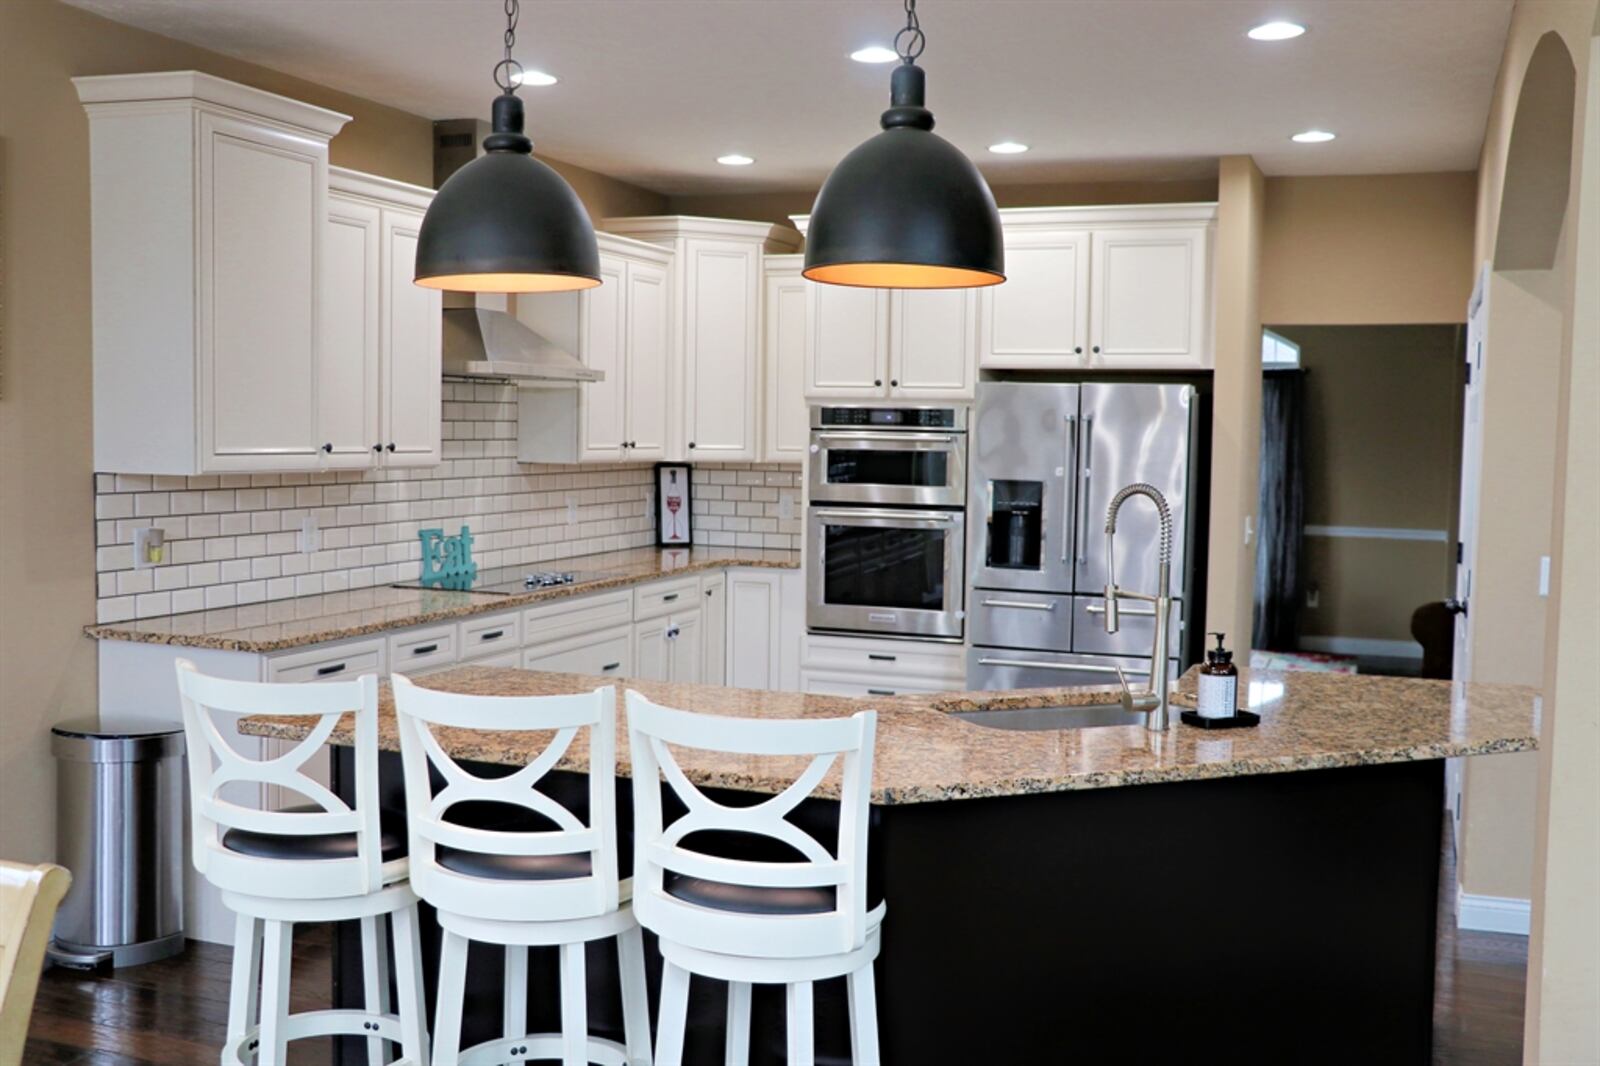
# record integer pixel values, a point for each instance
(653, 90)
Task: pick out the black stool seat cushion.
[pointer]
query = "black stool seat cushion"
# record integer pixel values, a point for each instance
(391, 833)
(749, 899)
(514, 867)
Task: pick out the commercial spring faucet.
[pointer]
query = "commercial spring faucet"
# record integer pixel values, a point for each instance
(1152, 701)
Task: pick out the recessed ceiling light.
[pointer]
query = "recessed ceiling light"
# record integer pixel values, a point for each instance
(734, 159)
(534, 78)
(1276, 31)
(1008, 148)
(1313, 137)
(876, 53)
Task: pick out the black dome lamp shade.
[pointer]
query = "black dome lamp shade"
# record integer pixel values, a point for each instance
(905, 209)
(506, 222)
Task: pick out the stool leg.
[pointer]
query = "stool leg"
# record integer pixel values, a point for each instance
(738, 1049)
(574, 1007)
(516, 991)
(244, 990)
(863, 1018)
(375, 981)
(674, 1015)
(412, 1008)
(277, 945)
(635, 996)
(802, 1051)
(452, 987)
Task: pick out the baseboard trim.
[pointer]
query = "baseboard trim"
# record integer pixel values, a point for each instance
(1492, 914)
(1388, 649)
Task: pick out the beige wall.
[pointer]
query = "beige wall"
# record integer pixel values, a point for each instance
(47, 668)
(607, 197)
(1367, 249)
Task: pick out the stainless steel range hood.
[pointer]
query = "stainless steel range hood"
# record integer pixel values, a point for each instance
(480, 342)
(481, 339)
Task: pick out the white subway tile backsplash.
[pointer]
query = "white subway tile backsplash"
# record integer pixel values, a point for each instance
(234, 539)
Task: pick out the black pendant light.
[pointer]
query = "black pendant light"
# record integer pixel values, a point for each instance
(906, 210)
(506, 222)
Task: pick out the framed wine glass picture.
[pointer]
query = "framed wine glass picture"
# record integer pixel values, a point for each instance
(674, 524)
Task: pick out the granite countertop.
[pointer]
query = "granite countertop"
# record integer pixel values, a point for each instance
(306, 620)
(1309, 721)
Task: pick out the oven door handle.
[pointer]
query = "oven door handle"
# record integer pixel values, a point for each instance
(941, 517)
(885, 438)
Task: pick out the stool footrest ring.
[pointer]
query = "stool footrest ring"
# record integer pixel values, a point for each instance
(536, 1046)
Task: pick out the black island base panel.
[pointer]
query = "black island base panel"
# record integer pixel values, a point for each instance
(1273, 918)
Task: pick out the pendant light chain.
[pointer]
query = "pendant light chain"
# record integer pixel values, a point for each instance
(508, 72)
(912, 36)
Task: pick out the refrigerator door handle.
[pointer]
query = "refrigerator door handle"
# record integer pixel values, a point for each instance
(1083, 490)
(1069, 461)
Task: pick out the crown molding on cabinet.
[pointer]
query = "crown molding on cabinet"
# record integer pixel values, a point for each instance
(108, 91)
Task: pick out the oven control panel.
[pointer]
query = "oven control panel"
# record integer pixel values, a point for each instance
(827, 417)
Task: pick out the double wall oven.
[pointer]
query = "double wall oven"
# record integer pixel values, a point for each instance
(886, 524)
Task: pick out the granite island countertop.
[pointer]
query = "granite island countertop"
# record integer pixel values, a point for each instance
(1309, 721)
(306, 620)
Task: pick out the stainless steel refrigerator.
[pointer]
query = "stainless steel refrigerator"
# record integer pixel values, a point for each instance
(1045, 461)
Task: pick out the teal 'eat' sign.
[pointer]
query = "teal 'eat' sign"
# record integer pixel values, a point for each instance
(447, 561)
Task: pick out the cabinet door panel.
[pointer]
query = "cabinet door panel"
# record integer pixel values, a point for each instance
(1149, 297)
(714, 618)
(720, 348)
(753, 609)
(603, 333)
(787, 425)
(847, 341)
(686, 647)
(934, 344)
(348, 368)
(411, 342)
(1037, 318)
(263, 209)
(651, 655)
(646, 378)
(605, 653)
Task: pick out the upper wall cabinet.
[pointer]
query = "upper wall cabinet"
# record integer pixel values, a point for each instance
(876, 343)
(620, 328)
(209, 208)
(714, 364)
(786, 427)
(1116, 287)
(379, 388)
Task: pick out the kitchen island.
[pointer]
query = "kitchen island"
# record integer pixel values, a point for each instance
(1103, 894)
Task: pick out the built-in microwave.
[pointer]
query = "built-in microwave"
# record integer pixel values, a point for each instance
(891, 570)
(888, 456)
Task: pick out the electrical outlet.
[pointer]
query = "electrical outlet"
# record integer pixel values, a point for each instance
(786, 505)
(572, 510)
(310, 536)
(1544, 575)
(1313, 597)
(149, 547)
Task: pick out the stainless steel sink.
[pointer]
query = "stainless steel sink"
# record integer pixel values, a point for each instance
(1035, 718)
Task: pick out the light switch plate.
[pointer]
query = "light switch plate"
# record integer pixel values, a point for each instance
(310, 536)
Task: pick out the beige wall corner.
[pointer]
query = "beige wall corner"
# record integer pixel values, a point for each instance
(1236, 430)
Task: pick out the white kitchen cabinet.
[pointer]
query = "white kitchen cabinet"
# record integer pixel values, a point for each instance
(933, 336)
(208, 214)
(349, 387)
(754, 612)
(412, 348)
(786, 422)
(1038, 317)
(603, 653)
(1149, 298)
(874, 666)
(714, 364)
(847, 341)
(714, 619)
(670, 648)
(622, 329)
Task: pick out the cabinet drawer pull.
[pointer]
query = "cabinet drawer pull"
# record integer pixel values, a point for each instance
(493, 634)
(672, 633)
(669, 597)
(877, 658)
(336, 668)
(424, 649)
(880, 692)
(608, 667)
(1021, 604)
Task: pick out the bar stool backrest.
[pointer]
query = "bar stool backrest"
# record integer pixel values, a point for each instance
(580, 879)
(214, 765)
(660, 855)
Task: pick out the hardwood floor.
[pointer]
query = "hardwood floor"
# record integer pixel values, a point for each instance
(174, 1013)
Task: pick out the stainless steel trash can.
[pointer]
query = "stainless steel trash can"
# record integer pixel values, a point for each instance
(119, 829)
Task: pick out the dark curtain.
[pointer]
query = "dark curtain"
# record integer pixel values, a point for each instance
(1282, 511)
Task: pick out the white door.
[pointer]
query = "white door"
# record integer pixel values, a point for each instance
(753, 631)
(721, 349)
(787, 426)
(1148, 298)
(412, 389)
(847, 341)
(349, 366)
(652, 659)
(603, 333)
(714, 618)
(263, 209)
(645, 382)
(1039, 318)
(933, 350)
(685, 642)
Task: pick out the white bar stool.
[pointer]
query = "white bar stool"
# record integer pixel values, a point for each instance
(555, 887)
(755, 922)
(325, 862)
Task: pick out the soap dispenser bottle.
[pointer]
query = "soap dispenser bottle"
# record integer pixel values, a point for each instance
(1218, 683)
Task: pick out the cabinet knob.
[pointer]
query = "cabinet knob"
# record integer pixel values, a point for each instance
(328, 448)
(894, 383)
(1078, 350)
(377, 447)
(390, 446)
(1096, 349)
(691, 444)
(877, 381)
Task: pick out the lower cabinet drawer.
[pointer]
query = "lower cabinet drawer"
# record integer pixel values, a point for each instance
(577, 614)
(608, 653)
(917, 660)
(665, 597)
(830, 684)
(489, 635)
(415, 650)
(338, 662)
